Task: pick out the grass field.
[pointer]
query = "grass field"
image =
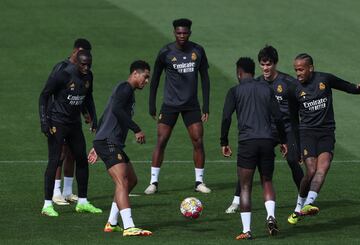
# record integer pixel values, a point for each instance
(37, 34)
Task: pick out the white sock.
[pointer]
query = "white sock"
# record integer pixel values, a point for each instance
(312, 195)
(270, 208)
(126, 218)
(57, 187)
(246, 221)
(236, 200)
(82, 200)
(199, 173)
(68, 182)
(114, 214)
(47, 203)
(154, 174)
(299, 203)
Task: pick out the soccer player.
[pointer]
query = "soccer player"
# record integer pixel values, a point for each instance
(60, 120)
(255, 106)
(283, 86)
(317, 129)
(182, 60)
(67, 159)
(109, 144)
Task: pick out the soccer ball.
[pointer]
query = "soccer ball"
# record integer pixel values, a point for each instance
(191, 207)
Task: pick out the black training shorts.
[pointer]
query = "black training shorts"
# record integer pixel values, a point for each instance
(169, 115)
(110, 153)
(316, 141)
(257, 153)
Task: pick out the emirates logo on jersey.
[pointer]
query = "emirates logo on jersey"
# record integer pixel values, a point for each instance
(279, 89)
(193, 56)
(322, 86)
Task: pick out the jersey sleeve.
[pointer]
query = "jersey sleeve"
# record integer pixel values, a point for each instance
(276, 115)
(121, 97)
(155, 79)
(228, 109)
(205, 81)
(339, 84)
(90, 104)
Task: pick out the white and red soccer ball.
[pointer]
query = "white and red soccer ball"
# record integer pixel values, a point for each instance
(191, 208)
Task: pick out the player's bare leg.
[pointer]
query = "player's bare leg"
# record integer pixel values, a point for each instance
(163, 135)
(68, 165)
(269, 201)
(58, 198)
(125, 179)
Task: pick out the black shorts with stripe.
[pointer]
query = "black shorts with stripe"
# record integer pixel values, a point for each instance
(110, 153)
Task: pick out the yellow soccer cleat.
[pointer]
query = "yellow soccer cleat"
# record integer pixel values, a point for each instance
(133, 231)
(49, 211)
(244, 236)
(294, 218)
(112, 228)
(309, 210)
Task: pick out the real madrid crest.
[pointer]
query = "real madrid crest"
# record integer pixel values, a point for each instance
(53, 130)
(279, 88)
(305, 152)
(119, 157)
(193, 56)
(322, 86)
(87, 84)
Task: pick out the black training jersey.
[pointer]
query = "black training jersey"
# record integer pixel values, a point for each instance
(181, 77)
(284, 89)
(70, 90)
(315, 100)
(117, 117)
(255, 105)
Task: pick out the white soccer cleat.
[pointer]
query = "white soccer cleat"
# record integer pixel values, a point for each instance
(60, 200)
(202, 188)
(151, 189)
(232, 208)
(71, 198)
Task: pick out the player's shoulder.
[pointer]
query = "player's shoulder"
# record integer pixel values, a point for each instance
(167, 48)
(286, 77)
(61, 65)
(196, 46)
(123, 87)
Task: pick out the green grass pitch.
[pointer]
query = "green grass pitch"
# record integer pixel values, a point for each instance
(37, 34)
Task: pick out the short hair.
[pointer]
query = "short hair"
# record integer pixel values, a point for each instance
(305, 56)
(268, 53)
(182, 22)
(139, 65)
(246, 64)
(85, 53)
(82, 43)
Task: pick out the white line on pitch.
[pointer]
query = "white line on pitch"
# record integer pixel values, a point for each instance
(169, 161)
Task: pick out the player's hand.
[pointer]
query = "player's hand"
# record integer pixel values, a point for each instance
(45, 128)
(87, 118)
(226, 151)
(152, 112)
(92, 157)
(140, 137)
(283, 149)
(93, 127)
(205, 117)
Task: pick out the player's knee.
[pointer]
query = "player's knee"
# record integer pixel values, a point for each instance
(197, 142)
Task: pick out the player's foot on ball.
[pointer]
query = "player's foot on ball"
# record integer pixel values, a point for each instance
(245, 236)
(87, 208)
(271, 226)
(71, 198)
(201, 187)
(112, 228)
(309, 210)
(232, 208)
(294, 218)
(136, 232)
(49, 211)
(151, 189)
(59, 200)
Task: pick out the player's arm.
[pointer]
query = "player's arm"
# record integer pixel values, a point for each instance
(90, 106)
(121, 97)
(50, 88)
(339, 84)
(205, 85)
(294, 112)
(277, 117)
(228, 109)
(154, 84)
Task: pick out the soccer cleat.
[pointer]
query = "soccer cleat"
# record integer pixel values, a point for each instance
(271, 226)
(60, 200)
(151, 189)
(49, 211)
(112, 228)
(232, 208)
(294, 218)
(244, 236)
(202, 188)
(309, 210)
(71, 198)
(133, 231)
(87, 208)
